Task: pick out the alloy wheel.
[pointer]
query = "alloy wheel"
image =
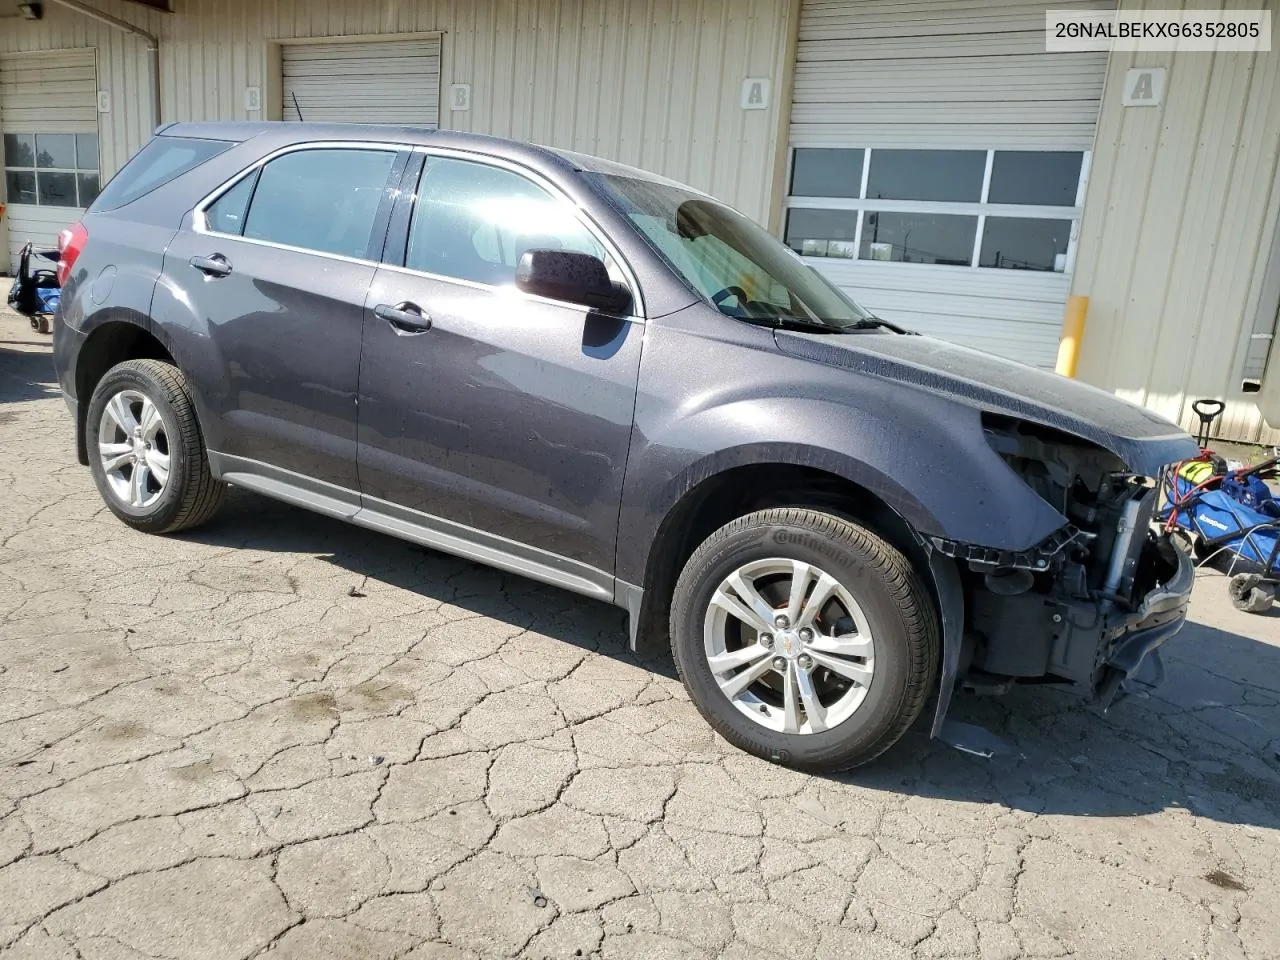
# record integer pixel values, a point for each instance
(789, 646)
(134, 449)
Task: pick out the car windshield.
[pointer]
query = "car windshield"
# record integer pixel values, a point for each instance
(730, 261)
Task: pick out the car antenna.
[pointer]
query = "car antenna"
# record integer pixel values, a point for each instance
(295, 105)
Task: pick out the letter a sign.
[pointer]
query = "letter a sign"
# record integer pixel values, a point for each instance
(1144, 87)
(755, 93)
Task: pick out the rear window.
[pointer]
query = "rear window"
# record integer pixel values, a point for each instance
(160, 161)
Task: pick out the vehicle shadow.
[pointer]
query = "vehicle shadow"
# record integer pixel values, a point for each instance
(26, 374)
(1207, 740)
(248, 520)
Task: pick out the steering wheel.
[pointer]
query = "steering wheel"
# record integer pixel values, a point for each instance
(727, 292)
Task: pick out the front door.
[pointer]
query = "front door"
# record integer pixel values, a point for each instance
(277, 269)
(481, 405)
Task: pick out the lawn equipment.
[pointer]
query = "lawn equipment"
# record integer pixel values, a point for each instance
(35, 292)
(1229, 517)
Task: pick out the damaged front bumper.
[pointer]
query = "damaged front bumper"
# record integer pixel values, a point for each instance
(1135, 647)
(1104, 649)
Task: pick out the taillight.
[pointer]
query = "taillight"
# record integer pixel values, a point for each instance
(70, 242)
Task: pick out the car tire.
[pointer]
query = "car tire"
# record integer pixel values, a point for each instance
(879, 605)
(146, 450)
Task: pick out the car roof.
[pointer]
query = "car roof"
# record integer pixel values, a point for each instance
(289, 131)
(299, 132)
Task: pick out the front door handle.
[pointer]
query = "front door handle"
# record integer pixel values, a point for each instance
(406, 318)
(214, 265)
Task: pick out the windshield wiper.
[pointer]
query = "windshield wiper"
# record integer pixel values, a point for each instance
(801, 325)
(875, 323)
(798, 324)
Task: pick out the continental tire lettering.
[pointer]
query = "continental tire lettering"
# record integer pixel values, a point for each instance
(798, 538)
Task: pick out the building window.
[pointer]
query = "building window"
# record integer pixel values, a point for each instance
(918, 237)
(937, 175)
(982, 209)
(51, 169)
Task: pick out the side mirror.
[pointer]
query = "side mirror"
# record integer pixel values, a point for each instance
(573, 277)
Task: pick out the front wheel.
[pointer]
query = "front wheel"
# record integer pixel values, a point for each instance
(146, 450)
(804, 638)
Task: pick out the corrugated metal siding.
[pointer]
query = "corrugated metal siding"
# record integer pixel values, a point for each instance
(380, 81)
(649, 82)
(929, 73)
(1178, 224)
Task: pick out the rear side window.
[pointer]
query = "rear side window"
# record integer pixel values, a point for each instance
(323, 200)
(160, 161)
(226, 214)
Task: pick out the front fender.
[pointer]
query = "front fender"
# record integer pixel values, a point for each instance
(925, 459)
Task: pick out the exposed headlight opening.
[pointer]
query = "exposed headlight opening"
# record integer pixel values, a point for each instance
(1078, 607)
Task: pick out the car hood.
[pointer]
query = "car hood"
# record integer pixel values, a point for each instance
(1143, 440)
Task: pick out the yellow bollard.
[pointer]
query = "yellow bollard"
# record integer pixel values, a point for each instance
(1072, 334)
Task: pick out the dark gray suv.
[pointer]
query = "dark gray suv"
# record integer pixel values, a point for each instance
(607, 381)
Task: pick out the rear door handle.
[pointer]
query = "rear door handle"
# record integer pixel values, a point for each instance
(214, 265)
(407, 319)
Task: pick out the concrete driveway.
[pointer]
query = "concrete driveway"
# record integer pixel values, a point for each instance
(280, 733)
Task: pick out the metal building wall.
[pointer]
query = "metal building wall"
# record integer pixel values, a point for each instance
(655, 83)
(1180, 213)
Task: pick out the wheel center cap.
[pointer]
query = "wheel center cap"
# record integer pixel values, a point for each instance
(139, 447)
(789, 644)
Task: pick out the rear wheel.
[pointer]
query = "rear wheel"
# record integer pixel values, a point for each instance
(146, 450)
(804, 638)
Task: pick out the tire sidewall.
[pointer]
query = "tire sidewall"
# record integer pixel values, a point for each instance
(162, 513)
(877, 715)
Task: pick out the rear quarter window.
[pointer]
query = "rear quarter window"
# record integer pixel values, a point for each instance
(161, 160)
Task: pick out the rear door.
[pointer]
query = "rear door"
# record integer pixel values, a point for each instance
(508, 414)
(277, 267)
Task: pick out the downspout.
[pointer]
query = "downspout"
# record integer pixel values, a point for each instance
(152, 42)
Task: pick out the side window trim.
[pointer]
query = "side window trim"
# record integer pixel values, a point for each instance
(397, 245)
(382, 218)
(200, 220)
(402, 218)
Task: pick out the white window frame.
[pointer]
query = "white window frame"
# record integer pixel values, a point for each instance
(980, 209)
(36, 170)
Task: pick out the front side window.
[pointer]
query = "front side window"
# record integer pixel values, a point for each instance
(51, 169)
(728, 260)
(995, 209)
(473, 222)
(321, 199)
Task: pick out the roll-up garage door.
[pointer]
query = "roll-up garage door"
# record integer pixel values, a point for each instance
(377, 81)
(48, 112)
(938, 163)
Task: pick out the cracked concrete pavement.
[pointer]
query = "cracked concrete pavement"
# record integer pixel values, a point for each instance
(282, 735)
